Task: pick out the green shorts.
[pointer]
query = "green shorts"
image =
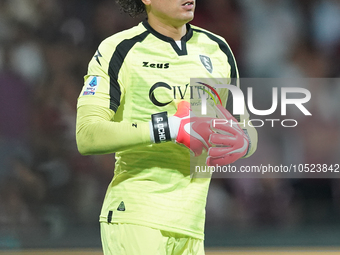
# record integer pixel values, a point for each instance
(129, 239)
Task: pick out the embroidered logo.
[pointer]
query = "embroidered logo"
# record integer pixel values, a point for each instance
(97, 56)
(121, 207)
(206, 63)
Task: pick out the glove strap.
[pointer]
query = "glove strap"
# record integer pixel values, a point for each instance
(160, 127)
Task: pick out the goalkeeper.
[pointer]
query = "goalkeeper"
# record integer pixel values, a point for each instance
(129, 106)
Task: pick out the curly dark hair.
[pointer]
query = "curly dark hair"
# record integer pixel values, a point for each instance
(132, 7)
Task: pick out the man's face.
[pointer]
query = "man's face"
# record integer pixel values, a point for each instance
(172, 12)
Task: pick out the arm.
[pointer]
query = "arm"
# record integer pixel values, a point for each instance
(98, 134)
(96, 130)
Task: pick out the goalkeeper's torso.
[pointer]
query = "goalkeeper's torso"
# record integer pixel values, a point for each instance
(144, 73)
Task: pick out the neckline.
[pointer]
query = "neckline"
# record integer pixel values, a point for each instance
(184, 39)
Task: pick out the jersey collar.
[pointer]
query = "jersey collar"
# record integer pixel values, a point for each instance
(162, 37)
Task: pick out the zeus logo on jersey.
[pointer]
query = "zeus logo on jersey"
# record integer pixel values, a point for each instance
(156, 65)
(91, 85)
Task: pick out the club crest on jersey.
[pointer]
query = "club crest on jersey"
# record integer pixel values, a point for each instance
(206, 63)
(91, 85)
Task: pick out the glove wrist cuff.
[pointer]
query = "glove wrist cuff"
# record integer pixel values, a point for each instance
(160, 127)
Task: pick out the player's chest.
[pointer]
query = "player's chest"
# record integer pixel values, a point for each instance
(166, 69)
(154, 80)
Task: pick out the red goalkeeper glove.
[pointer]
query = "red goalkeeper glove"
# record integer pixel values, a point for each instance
(192, 132)
(229, 140)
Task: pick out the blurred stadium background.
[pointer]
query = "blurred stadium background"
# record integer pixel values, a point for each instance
(50, 195)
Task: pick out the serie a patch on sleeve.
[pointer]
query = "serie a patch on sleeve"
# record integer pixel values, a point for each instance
(91, 85)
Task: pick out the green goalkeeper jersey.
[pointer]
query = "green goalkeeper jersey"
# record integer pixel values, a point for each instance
(136, 73)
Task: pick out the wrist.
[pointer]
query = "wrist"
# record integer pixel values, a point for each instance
(162, 128)
(159, 128)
